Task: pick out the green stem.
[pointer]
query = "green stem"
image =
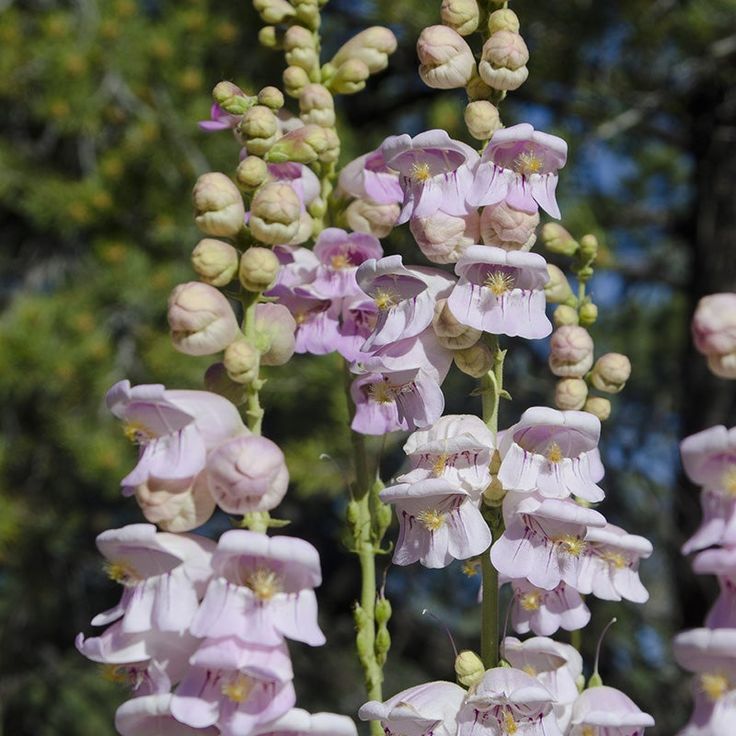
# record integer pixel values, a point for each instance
(489, 613)
(254, 410)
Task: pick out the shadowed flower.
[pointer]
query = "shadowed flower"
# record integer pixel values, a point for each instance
(545, 611)
(340, 254)
(720, 561)
(151, 716)
(298, 722)
(605, 711)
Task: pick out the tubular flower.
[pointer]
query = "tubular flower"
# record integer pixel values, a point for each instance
(721, 562)
(376, 410)
(369, 177)
(519, 166)
(605, 711)
(298, 722)
(151, 716)
(545, 611)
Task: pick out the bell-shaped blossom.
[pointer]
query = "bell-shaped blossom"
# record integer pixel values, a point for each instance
(457, 449)
(151, 716)
(262, 590)
(163, 575)
(219, 120)
(430, 708)
(369, 177)
(300, 177)
(298, 266)
(610, 565)
(519, 166)
(438, 523)
(508, 701)
(544, 539)
(247, 474)
(405, 298)
(545, 611)
(709, 458)
(443, 238)
(173, 429)
(501, 292)
(554, 452)
(605, 711)
(340, 254)
(298, 722)
(720, 561)
(358, 315)
(718, 525)
(435, 171)
(376, 409)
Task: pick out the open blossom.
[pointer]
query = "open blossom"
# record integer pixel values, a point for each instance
(438, 523)
(718, 525)
(545, 611)
(605, 711)
(369, 177)
(430, 708)
(173, 429)
(519, 166)
(720, 561)
(436, 172)
(376, 410)
(262, 590)
(299, 177)
(501, 292)
(544, 540)
(298, 722)
(151, 716)
(553, 452)
(219, 120)
(298, 266)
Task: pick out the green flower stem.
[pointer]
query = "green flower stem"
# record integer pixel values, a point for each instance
(254, 410)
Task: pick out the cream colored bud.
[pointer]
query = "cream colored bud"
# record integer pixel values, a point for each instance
(452, 334)
(599, 407)
(505, 227)
(275, 328)
(269, 37)
(318, 207)
(231, 98)
(443, 238)
(610, 372)
(307, 12)
(274, 214)
(241, 361)
(271, 97)
(298, 37)
(571, 352)
(588, 314)
(722, 365)
(304, 231)
(477, 89)
(371, 46)
(303, 145)
(332, 151)
(258, 269)
(273, 11)
(503, 20)
(295, 80)
(307, 59)
(215, 261)
(364, 216)
(251, 173)
(482, 119)
(589, 247)
(503, 61)
(462, 16)
(570, 394)
(565, 315)
(557, 290)
(217, 381)
(259, 128)
(475, 361)
(317, 106)
(469, 668)
(350, 77)
(218, 206)
(557, 240)
(445, 59)
(494, 494)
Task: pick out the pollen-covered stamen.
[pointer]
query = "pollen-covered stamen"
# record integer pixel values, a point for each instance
(124, 674)
(531, 601)
(729, 481)
(590, 731)
(340, 262)
(382, 392)
(238, 688)
(264, 583)
(386, 298)
(499, 282)
(528, 163)
(138, 433)
(615, 559)
(471, 568)
(420, 172)
(554, 453)
(508, 722)
(570, 544)
(122, 572)
(714, 685)
(529, 670)
(432, 519)
(439, 465)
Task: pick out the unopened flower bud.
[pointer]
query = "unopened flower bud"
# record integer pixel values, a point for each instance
(251, 173)
(588, 314)
(382, 517)
(241, 361)
(295, 80)
(383, 611)
(461, 15)
(482, 119)
(364, 216)
(273, 11)
(571, 353)
(445, 59)
(231, 98)
(318, 208)
(332, 150)
(201, 319)
(271, 97)
(477, 89)
(474, 361)
(452, 334)
(503, 20)
(305, 58)
(570, 394)
(258, 269)
(275, 328)
(215, 261)
(259, 127)
(443, 238)
(610, 372)
(303, 145)
(505, 227)
(588, 247)
(307, 12)
(599, 407)
(176, 511)
(371, 46)
(383, 644)
(317, 105)
(469, 668)
(218, 206)
(297, 37)
(503, 61)
(274, 213)
(557, 240)
(350, 77)
(565, 315)
(557, 290)
(269, 37)
(304, 231)
(217, 381)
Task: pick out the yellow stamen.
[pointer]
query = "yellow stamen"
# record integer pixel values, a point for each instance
(438, 467)
(528, 163)
(238, 689)
(137, 433)
(421, 172)
(729, 481)
(715, 686)
(471, 568)
(509, 725)
(570, 544)
(531, 601)
(432, 519)
(299, 317)
(340, 261)
(616, 559)
(529, 670)
(590, 731)
(499, 282)
(123, 573)
(554, 453)
(264, 583)
(386, 298)
(115, 673)
(381, 392)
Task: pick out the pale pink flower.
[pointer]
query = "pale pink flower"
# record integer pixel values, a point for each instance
(219, 120)
(718, 525)
(709, 458)
(299, 177)
(369, 177)
(720, 561)
(151, 716)
(376, 409)
(545, 611)
(607, 712)
(298, 266)
(300, 723)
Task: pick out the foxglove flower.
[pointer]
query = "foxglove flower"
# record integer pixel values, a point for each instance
(436, 172)
(519, 166)
(545, 611)
(298, 722)
(554, 452)
(438, 523)
(501, 292)
(721, 562)
(369, 177)
(151, 716)
(605, 711)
